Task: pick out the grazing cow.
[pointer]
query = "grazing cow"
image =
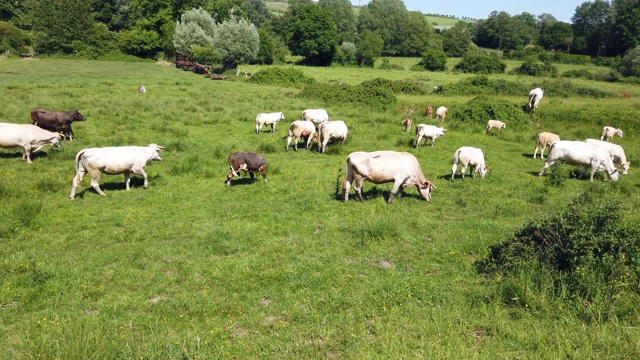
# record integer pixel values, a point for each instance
(608, 132)
(429, 112)
(406, 124)
(581, 153)
(616, 151)
(381, 167)
(301, 129)
(535, 96)
(495, 124)
(441, 113)
(316, 116)
(428, 132)
(543, 140)
(329, 130)
(29, 137)
(472, 157)
(247, 162)
(624, 95)
(58, 121)
(142, 89)
(113, 161)
(268, 119)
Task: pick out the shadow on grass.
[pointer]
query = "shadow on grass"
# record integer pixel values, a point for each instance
(244, 181)
(14, 155)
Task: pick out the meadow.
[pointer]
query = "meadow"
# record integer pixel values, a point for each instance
(190, 269)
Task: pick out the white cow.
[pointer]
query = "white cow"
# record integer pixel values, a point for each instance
(608, 132)
(142, 89)
(535, 96)
(543, 140)
(30, 138)
(328, 130)
(472, 157)
(495, 124)
(112, 161)
(441, 113)
(316, 116)
(616, 151)
(301, 129)
(268, 119)
(428, 132)
(581, 153)
(381, 167)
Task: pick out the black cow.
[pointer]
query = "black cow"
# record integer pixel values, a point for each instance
(58, 121)
(247, 162)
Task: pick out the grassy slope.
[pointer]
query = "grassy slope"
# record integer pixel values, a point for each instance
(188, 268)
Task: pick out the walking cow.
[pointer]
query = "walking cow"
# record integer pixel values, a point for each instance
(58, 121)
(247, 162)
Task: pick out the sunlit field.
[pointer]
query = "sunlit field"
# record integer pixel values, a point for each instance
(191, 269)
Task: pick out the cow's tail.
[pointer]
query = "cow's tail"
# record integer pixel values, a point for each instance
(78, 159)
(456, 157)
(348, 179)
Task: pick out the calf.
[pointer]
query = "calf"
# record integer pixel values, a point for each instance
(328, 130)
(429, 112)
(301, 129)
(428, 132)
(113, 161)
(406, 124)
(608, 132)
(58, 121)
(495, 124)
(583, 154)
(441, 113)
(543, 140)
(268, 119)
(535, 96)
(472, 157)
(29, 137)
(247, 162)
(381, 167)
(142, 89)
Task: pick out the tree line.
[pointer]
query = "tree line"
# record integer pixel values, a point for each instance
(322, 32)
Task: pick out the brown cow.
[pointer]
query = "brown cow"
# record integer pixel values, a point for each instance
(406, 124)
(247, 162)
(429, 112)
(58, 121)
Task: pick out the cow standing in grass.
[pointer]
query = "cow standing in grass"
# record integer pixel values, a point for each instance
(583, 154)
(28, 137)
(58, 121)
(247, 162)
(535, 96)
(268, 119)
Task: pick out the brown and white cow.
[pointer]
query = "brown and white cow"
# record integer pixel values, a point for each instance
(381, 167)
(58, 121)
(429, 112)
(247, 162)
(28, 137)
(406, 124)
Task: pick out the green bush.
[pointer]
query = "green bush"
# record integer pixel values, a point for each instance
(578, 73)
(630, 63)
(483, 85)
(281, 76)
(13, 39)
(480, 64)
(533, 67)
(483, 108)
(587, 251)
(376, 97)
(434, 60)
(565, 88)
(386, 65)
(205, 55)
(397, 86)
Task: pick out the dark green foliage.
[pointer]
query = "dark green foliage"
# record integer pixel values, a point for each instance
(587, 250)
(434, 60)
(376, 97)
(630, 63)
(578, 73)
(369, 46)
(482, 84)
(281, 76)
(312, 35)
(61, 24)
(565, 88)
(13, 39)
(457, 40)
(272, 49)
(558, 174)
(386, 65)
(205, 55)
(480, 64)
(532, 67)
(397, 87)
(345, 54)
(139, 42)
(483, 108)
(341, 13)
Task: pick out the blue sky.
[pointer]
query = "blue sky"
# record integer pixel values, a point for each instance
(562, 10)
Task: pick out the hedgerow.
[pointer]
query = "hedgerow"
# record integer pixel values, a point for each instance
(281, 76)
(587, 251)
(533, 67)
(578, 73)
(482, 84)
(376, 97)
(397, 86)
(483, 108)
(480, 64)
(565, 88)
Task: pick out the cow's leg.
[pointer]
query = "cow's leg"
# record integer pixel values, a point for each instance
(418, 138)
(127, 179)
(535, 152)
(547, 165)
(397, 186)
(453, 171)
(140, 171)
(357, 186)
(76, 181)
(229, 177)
(273, 128)
(71, 132)
(295, 146)
(463, 170)
(346, 186)
(251, 175)
(95, 182)
(26, 154)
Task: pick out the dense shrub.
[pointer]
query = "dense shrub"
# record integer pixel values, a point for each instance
(565, 88)
(630, 63)
(483, 108)
(578, 73)
(532, 67)
(205, 55)
(281, 76)
(13, 39)
(398, 86)
(587, 251)
(386, 65)
(345, 54)
(434, 60)
(480, 64)
(482, 84)
(376, 97)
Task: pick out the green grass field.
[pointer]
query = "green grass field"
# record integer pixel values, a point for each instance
(190, 269)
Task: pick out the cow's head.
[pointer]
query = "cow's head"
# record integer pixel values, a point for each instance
(77, 116)
(281, 116)
(483, 171)
(625, 167)
(425, 189)
(55, 142)
(156, 151)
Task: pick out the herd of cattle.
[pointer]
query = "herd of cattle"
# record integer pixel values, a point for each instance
(401, 168)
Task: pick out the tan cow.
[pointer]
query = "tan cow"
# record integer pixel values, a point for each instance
(544, 139)
(441, 113)
(381, 167)
(328, 130)
(608, 132)
(301, 129)
(29, 137)
(495, 124)
(406, 124)
(429, 112)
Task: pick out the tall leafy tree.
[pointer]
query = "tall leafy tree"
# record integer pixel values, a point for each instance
(368, 48)
(11, 10)
(256, 11)
(457, 40)
(195, 28)
(556, 35)
(237, 42)
(313, 35)
(341, 12)
(387, 18)
(590, 27)
(419, 35)
(494, 31)
(625, 27)
(58, 23)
